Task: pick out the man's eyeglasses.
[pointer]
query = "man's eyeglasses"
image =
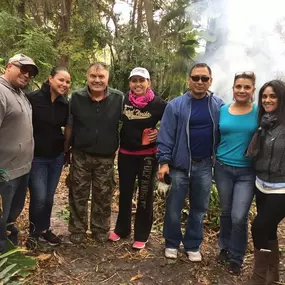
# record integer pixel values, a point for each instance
(197, 78)
(26, 69)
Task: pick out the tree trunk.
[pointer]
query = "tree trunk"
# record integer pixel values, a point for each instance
(151, 25)
(140, 16)
(134, 16)
(65, 17)
(21, 12)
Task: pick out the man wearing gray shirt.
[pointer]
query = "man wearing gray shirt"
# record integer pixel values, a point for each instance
(16, 142)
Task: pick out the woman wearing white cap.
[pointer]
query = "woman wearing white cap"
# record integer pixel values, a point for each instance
(137, 157)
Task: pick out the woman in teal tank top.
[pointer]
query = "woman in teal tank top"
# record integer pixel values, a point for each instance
(234, 174)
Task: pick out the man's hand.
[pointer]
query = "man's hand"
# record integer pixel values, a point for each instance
(152, 135)
(163, 169)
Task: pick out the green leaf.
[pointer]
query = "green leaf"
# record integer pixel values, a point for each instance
(9, 276)
(10, 252)
(24, 264)
(3, 261)
(4, 272)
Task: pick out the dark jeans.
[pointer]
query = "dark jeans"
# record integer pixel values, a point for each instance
(270, 212)
(144, 167)
(198, 188)
(236, 190)
(44, 177)
(13, 195)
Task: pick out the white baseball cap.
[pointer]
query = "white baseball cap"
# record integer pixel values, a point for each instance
(140, 71)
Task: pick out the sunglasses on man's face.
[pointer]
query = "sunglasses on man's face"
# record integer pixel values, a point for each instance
(26, 69)
(197, 78)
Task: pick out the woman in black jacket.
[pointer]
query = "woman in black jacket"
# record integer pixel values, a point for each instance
(137, 157)
(268, 149)
(50, 113)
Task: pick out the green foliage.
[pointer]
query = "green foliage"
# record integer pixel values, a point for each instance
(9, 28)
(213, 214)
(14, 265)
(168, 66)
(64, 214)
(93, 31)
(132, 52)
(39, 45)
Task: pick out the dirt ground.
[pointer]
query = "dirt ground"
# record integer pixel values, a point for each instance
(117, 263)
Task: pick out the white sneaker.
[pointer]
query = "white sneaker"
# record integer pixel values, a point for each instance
(194, 256)
(171, 253)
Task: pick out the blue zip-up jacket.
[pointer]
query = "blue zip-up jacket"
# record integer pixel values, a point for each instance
(173, 138)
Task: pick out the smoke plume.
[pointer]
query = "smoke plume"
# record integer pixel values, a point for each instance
(241, 35)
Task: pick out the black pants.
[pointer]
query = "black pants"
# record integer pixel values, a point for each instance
(270, 212)
(144, 167)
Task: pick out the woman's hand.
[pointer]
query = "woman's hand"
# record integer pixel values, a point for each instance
(152, 135)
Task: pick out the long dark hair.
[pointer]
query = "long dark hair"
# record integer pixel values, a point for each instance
(278, 87)
(57, 69)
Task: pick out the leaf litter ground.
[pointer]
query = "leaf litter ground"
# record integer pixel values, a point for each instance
(118, 264)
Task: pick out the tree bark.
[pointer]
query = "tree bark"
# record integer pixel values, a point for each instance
(151, 25)
(134, 15)
(65, 17)
(140, 16)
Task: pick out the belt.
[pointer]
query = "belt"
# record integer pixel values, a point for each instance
(196, 160)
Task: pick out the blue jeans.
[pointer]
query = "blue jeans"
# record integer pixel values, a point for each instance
(236, 190)
(44, 177)
(198, 188)
(13, 195)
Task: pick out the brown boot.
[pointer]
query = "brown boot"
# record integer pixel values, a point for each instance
(261, 260)
(273, 266)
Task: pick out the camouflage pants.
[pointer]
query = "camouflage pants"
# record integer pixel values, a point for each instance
(91, 172)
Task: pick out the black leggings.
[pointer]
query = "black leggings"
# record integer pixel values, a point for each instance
(144, 167)
(270, 212)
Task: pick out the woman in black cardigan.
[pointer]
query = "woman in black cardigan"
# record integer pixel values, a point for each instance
(50, 113)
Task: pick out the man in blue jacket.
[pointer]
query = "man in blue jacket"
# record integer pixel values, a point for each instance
(186, 145)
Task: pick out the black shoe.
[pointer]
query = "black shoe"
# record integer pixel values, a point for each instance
(223, 257)
(234, 268)
(50, 237)
(32, 242)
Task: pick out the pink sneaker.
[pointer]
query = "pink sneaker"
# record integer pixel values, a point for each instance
(113, 236)
(139, 244)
